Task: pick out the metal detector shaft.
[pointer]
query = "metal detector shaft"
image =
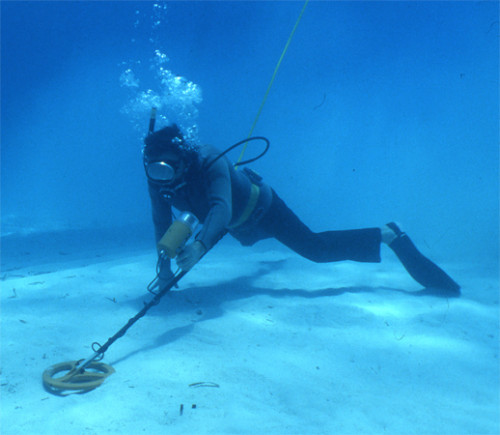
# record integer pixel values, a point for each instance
(173, 281)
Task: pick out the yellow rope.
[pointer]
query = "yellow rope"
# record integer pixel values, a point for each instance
(272, 80)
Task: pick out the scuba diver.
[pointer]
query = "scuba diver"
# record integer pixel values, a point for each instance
(202, 181)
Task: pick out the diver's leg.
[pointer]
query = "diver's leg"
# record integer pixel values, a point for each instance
(422, 270)
(358, 245)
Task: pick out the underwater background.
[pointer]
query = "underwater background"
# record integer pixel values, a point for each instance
(380, 111)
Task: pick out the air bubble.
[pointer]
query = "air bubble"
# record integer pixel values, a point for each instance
(176, 98)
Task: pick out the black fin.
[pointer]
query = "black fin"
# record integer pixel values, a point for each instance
(422, 270)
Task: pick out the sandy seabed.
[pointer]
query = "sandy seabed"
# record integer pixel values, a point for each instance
(254, 341)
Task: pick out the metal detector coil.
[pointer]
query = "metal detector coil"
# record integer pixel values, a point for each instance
(77, 379)
(85, 375)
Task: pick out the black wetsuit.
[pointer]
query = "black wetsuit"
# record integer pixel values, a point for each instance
(218, 195)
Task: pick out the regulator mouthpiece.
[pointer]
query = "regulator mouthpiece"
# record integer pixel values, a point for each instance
(177, 234)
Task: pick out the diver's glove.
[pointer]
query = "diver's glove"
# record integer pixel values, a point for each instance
(190, 255)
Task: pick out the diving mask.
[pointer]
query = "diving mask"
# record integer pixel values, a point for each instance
(160, 171)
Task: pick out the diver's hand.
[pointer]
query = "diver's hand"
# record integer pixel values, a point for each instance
(190, 255)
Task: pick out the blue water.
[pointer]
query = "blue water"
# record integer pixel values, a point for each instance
(380, 110)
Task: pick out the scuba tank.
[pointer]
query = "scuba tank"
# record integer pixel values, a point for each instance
(177, 235)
